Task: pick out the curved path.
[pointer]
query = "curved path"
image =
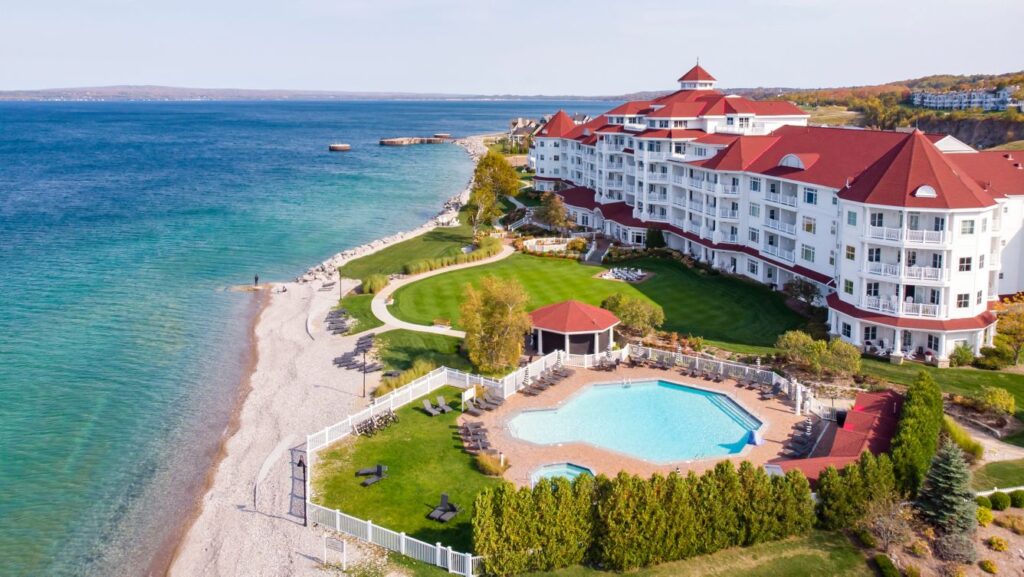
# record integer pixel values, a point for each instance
(379, 303)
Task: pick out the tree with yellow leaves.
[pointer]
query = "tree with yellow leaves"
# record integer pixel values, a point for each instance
(1011, 323)
(496, 322)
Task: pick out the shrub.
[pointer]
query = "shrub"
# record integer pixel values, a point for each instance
(490, 465)
(654, 239)
(1014, 523)
(1000, 501)
(962, 438)
(1017, 499)
(419, 368)
(988, 566)
(865, 538)
(962, 356)
(994, 358)
(374, 283)
(997, 400)
(637, 314)
(984, 516)
(953, 570)
(983, 501)
(577, 245)
(997, 544)
(911, 571)
(917, 434)
(955, 547)
(886, 568)
(919, 548)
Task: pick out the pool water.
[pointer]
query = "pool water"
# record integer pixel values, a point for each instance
(567, 470)
(656, 421)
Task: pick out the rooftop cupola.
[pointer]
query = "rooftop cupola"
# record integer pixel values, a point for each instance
(697, 79)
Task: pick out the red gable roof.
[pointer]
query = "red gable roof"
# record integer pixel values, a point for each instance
(559, 126)
(631, 107)
(915, 162)
(672, 133)
(687, 109)
(998, 172)
(573, 317)
(696, 74)
(741, 154)
(578, 196)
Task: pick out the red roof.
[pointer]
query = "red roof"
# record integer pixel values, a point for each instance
(998, 172)
(573, 317)
(696, 74)
(895, 178)
(718, 138)
(743, 152)
(559, 126)
(672, 133)
(985, 319)
(688, 109)
(630, 108)
(578, 196)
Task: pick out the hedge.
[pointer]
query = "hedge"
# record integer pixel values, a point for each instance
(962, 438)
(487, 246)
(374, 283)
(886, 568)
(843, 495)
(628, 522)
(917, 434)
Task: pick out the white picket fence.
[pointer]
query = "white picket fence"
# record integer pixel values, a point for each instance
(437, 554)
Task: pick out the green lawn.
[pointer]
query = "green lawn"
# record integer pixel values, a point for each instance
(403, 347)
(719, 308)
(999, 474)
(358, 307)
(424, 459)
(819, 553)
(436, 243)
(1015, 145)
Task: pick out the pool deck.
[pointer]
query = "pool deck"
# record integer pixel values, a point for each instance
(525, 457)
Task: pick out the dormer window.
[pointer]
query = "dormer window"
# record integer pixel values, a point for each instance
(925, 191)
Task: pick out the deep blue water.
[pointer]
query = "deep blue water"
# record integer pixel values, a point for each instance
(121, 225)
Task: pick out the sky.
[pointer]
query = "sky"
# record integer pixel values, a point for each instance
(585, 47)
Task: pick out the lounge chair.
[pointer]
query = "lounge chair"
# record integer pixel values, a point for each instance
(484, 404)
(378, 470)
(443, 405)
(440, 509)
(448, 515)
(492, 399)
(430, 408)
(374, 479)
(471, 409)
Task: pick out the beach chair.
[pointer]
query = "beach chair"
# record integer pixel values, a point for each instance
(443, 405)
(448, 515)
(493, 399)
(471, 409)
(430, 408)
(375, 470)
(441, 509)
(374, 479)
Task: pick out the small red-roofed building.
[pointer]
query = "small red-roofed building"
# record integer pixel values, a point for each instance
(572, 326)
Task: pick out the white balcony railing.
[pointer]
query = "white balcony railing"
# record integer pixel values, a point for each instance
(710, 209)
(680, 180)
(885, 305)
(656, 177)
(695, 182)
(616, 166)
(884, 233)
(780, 226)
(926, 236)
(780, 252)
(909, 236)
(728, 213)
(994, 260)
(921, 309)
(692, 227)
(783, 199)
(709, 185)
(657, 198)
(698, 206)
(726, 237)
(883, 269)
(924, 273)
(891, 305)
(635, 126)
(729, 188)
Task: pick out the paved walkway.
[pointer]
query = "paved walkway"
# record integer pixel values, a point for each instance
(379, 303)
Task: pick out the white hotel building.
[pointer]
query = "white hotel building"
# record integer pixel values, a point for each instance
(910, 237)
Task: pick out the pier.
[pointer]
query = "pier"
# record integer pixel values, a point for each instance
(439, 138)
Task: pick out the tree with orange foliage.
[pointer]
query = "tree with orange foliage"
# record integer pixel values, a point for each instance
(1011, 323)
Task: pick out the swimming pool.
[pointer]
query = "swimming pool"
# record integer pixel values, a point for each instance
(655, 421)
(567, 470)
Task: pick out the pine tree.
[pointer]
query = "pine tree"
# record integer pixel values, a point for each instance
(681, 512)
(946, 501)
(486, 540)
(800, 516)
(917, 434)
(758, 522)
(546, 527)
(731, 495)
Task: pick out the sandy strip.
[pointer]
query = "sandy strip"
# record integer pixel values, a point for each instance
(294, 390)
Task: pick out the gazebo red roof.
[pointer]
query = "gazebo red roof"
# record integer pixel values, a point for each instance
(573, 317)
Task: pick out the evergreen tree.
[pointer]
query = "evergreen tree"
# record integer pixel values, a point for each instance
(799, 516)
(546, 526)
(758, 519)
(486, 539)
(835, 508)
(680, 510)
(917, 434)
(946, 501)
(731, 494)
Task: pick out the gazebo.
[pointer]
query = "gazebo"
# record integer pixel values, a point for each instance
(572, 326)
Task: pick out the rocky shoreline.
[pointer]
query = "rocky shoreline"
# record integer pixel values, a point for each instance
(328, 269)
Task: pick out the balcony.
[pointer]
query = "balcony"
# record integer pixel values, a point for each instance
(884, 305)
(680, 202)
(656, 177)
(727, 238)
(780, 226)
(890, 305)
(680, 180)
(997, 225)
(692, 227)
(782, 199)
(926, 236)
(710, 210)
(780, 252)
(709, 185)
(617, 166)
(883, 269)
(993, 260)
(884, 233)
(695, 183)
(921, 309)
(657, 198)
(635, 126)
(698, 206)
(733, 189)
(925, 273)
(728, 213)
(631, 169)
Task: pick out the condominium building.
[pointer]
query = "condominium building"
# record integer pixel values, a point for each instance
(910, 237)
(996, 99)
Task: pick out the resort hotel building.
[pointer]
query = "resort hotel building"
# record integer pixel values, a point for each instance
(910, 237)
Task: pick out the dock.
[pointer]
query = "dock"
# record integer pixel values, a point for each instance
(439, 138)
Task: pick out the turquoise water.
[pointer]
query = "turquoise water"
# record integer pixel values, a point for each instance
(655, 421)
(121, 225)
(567, 470)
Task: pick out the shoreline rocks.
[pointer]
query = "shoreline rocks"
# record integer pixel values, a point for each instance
(328, 269)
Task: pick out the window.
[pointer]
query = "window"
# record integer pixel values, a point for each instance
(979, 298)
(871, 289)
(963, 300)
(933, 344)
(981, 261)
(848, 287)
(851, 253)
(755, 184)
(967, 227)
(810, 196)
(555, 158)
(870, 333)
(877, 219)
(752, 266)
(810, 225)
(984, 225)
(847, 330)
(831, 258)
(851, 218)
(874, 255)
(755, 210)
(965, 264)
(754, 235)
(807, 252)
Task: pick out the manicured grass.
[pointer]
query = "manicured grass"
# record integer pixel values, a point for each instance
(436, 243)
(424, 459)
(819, 553)
(404, 347)
(1014, 145)
(527, 197)
(834, 116)
(358, 307)
(1001, 474)
(716, 307)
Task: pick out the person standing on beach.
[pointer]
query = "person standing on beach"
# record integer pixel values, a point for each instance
(256, 280)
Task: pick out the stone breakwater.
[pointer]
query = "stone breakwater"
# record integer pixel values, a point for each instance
(328, 269)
